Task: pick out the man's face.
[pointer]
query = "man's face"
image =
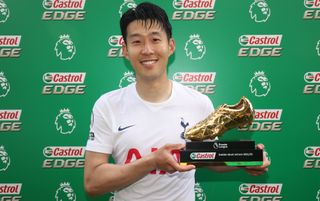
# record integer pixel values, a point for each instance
(148, 50)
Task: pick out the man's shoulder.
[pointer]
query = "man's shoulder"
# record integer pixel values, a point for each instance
(116, 95)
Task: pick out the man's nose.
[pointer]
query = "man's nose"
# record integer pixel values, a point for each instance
(147, 48)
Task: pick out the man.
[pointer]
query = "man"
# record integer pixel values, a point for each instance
(141, 125)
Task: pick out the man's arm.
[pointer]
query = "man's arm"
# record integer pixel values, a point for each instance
(101, 177)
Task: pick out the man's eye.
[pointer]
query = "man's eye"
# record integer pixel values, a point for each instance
(136, 42)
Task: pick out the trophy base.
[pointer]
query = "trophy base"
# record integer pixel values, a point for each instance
(222, 153)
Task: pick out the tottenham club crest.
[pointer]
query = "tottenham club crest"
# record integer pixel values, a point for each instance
(318, 47)
(65, 122)
(126, 5)
(4, 12)
(199, 193)
(4, 85)
(65, 48)
(65, 193)
(195, 48)
(4, 159)
(259, 84)
(259, 11)
(128, 78)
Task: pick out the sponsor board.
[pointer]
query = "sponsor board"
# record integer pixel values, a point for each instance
(260, 192)
(193, 9)
(10, 120)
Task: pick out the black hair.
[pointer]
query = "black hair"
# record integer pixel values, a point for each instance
(145, 12)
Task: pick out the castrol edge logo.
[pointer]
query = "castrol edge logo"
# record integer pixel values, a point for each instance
(260, 189)
(115, 43)
(63, 4)
(193, 4)
(63, 78)
(312, 152)
(265, 120)
(194, 77)
(202, 82)
(260, 45)
(63, 83)
(64, 152)
(10, 46)
(10, 120)
(193, 9)
(203, 155)
(313, 9)
(10, 189)
(260, 40)
(313, 83)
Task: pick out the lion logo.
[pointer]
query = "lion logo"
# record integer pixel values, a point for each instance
(4, 159)
(318, 195)
(128, 78)
(4, 85)
(199, 193)
(65, 48)
(259, 84)
(195, 48)
(65, 193)
(4, 12)
(259, 11)
(126, 5)
(318, 47)
(65, 123)
(318, 122)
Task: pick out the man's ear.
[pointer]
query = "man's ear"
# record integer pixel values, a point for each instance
(172, 46)
(125, 51)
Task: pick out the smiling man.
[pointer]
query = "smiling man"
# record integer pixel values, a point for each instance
(140, 125)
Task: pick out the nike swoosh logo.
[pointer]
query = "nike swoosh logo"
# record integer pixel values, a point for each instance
(124, 128)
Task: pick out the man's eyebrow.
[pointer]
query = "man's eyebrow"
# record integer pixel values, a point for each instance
(154, 33)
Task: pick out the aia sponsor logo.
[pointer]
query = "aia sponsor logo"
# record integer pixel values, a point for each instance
(259, 11)
(4, 85)
(4, 12)
(126, 5)
(65, 192)
(260, 84)
(63, 157)
(127, 78)
(195, 48)
(200, 81)
(199, 192)
(313, 10)
(10, 120)
(193, 9)
(57, 83)
(4, 159)
(258, 191)
(260, 45)
(115, 43)
(313, 155)
(313, 83)
(10, 46)
(265, 120)
(65, 122)
(65, 48)
(63, 9)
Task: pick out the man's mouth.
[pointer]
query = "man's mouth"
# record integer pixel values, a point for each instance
(149, 61)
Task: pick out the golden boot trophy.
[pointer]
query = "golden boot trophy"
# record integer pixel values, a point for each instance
(231, 153)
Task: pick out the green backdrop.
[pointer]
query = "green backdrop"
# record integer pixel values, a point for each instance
(58, 56)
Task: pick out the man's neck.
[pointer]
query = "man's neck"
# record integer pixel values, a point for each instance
(154, 91)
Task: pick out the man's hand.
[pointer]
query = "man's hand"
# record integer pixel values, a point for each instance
(259, 170)
(164, 160)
